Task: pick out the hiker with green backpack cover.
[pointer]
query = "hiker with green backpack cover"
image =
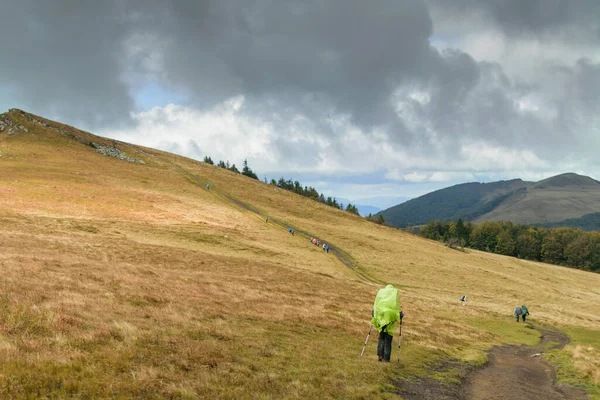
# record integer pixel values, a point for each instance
(386, 312)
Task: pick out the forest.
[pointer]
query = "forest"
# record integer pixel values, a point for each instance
(565, 246)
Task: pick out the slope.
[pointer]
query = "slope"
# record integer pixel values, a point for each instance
(130, 279)
(555, 199)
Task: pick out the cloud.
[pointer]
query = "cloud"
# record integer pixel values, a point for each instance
(60, 59)
(411, 91)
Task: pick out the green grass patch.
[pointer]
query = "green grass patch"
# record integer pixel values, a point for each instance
(508, 331)
(550, 345)
(578, 364)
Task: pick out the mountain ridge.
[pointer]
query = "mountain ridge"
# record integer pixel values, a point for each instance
(566, 196)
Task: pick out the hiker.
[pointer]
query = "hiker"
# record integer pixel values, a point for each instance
(463, 299)
(267, 220)
(518, 312)
(385, 315)
(324, 245)
(327, 248)
(290, 230)
(207, 186)
(524, 312)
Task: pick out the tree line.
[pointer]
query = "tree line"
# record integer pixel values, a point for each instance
(246, 171)
(570, 247)
(312, 193)
(292, 186)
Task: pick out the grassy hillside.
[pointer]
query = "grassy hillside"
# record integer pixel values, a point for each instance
(566, 196)
(131, 279)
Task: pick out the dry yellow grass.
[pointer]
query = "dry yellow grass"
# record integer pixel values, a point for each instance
(587, 359)
(132, 280)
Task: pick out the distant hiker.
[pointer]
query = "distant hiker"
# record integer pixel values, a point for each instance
(524, 312)
(324, 245)
(290, 230)
(267, 220)
(207, 186)
(518, 312)
(385, 315)
(327, 248)
(464, 300)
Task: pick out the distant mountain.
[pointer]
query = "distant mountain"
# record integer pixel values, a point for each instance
(551, 201)
(381, 202)
(366, 210)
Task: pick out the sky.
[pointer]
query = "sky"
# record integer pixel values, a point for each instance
(374, 101)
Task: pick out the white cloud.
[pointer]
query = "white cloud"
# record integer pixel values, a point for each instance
(480, 156)
(222, 132)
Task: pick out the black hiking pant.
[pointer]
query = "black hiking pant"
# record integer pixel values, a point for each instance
(384, 346)
(523, 316)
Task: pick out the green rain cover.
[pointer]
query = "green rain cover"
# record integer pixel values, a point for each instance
(386, 310)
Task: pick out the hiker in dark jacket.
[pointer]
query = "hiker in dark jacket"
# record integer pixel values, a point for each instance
(524, 312)
(518, 312)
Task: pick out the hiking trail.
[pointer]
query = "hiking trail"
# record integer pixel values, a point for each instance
(512, 372)
(340, 254)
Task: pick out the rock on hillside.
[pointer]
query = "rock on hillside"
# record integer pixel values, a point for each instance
(14, 122)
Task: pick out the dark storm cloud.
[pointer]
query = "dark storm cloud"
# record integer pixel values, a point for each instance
(61, 59)
(367, 63)
(351, 54)
(573, 19)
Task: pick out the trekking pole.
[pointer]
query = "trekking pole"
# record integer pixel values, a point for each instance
(366, 340)
(399, 339)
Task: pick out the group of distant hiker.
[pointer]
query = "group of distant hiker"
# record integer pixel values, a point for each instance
(520, 312)
(313, 240)
(318, 243)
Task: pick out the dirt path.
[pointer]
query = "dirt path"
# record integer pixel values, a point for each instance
(340, 254)
(519, 372)
(512, 372)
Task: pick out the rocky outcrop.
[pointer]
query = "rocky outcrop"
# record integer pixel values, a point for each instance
(6, 124)
(114, 152)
